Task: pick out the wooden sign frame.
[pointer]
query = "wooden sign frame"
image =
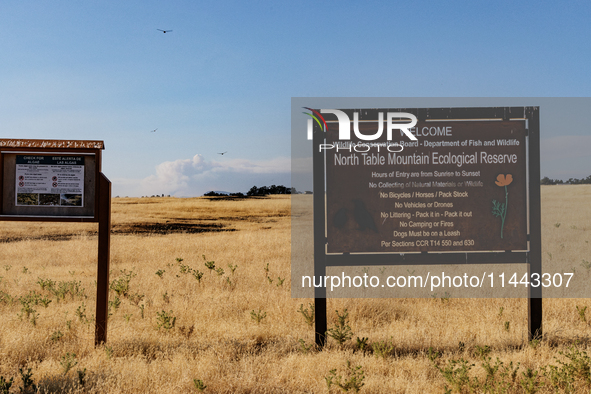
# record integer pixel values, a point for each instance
(98, 185)
(532, 257)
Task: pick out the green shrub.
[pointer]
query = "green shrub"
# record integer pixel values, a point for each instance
(68, 362)
(28, 385)
(121, 284)
(382, 348)
(258, 316)
(352, 381)
(5, 385)
(199, 385)
(308, 316)
(165, 320)
(341, 332)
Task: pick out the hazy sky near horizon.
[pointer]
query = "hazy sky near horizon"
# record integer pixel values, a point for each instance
(223, 79)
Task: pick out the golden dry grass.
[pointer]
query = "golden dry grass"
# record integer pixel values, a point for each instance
(227, 350)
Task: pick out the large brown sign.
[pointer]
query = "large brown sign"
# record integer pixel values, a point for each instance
(460, 187)
(466, 192)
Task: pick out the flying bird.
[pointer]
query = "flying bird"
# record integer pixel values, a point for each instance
(153, 131)
(164, 31)
(363, 217)
(223, 153)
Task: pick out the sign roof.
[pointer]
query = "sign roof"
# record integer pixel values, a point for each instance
(61, 144)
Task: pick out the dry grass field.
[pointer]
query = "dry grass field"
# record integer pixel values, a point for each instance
(172, 330)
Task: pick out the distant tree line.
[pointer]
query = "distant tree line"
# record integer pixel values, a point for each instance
(214, 194)
(256, 191)
(265, 190)
(571, 181)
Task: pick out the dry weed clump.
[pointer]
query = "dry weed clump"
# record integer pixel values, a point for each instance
(208, 309)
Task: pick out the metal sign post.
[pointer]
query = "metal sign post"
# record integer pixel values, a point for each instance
(534, 303)
(104, 259)
(434, 195)
(60, 181)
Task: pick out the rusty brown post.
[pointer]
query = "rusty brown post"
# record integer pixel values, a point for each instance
(104, 247)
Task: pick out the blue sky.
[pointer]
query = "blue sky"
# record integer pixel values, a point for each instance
(223, 79)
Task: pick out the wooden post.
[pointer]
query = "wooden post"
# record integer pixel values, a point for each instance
(104, 247)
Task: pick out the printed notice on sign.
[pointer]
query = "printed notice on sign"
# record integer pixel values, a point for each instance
(460, 187)
(49, 180)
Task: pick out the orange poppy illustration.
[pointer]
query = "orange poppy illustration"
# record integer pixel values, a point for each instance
(500, 208)
(503, 180)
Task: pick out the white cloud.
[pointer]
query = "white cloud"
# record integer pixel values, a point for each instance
(196, 176)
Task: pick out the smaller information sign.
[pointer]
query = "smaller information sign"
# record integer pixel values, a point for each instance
(41, 180)
(49, 180)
